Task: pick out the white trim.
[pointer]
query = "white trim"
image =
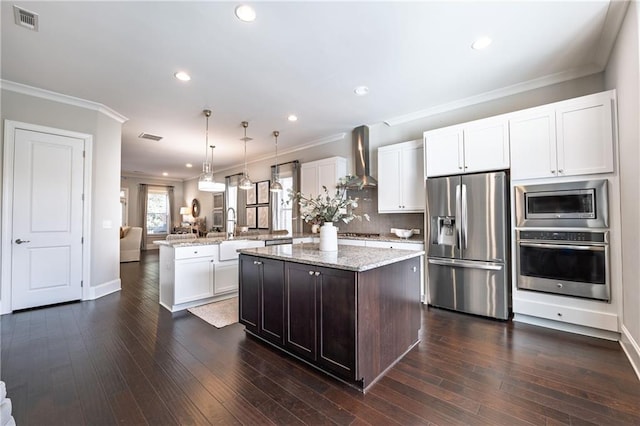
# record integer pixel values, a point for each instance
(495, 94)
(64, 99)
(631, 348)
(10, 128)
(563, 326)
(103, 289)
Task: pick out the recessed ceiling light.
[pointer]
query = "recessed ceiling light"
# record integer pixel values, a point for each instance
(292, 117)
(182, 76)
(245, 13)
(481, 43)
(165, 174)
(189, 165)
(361, 90)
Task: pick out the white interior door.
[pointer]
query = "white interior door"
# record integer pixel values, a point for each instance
(47, 219)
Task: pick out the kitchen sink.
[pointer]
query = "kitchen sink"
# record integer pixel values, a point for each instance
(229, 248)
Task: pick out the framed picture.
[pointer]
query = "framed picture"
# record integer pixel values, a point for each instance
(251, 217)
(218, 200)
(263, 192)
(251, 195)
(263, 217)
(218, 219)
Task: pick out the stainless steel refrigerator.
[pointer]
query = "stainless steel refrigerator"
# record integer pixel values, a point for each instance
(468, 243)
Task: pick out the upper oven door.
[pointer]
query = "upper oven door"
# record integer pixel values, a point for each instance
(582, 204)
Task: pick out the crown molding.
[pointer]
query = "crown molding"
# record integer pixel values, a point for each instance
(61, 98)
(133, 175)
(496, 94)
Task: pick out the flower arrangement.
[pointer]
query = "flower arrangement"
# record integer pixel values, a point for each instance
(324, 208)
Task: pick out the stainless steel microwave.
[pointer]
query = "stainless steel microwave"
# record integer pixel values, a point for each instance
(581, 204)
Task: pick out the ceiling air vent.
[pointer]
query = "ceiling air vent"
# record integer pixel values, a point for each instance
(25, 18)
(144, 135)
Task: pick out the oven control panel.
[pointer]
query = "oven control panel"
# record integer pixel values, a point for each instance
(577, 236)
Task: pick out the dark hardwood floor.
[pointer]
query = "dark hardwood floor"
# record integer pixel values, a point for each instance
(124, 359)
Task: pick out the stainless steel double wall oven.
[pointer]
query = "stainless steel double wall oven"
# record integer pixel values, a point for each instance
(562, 238)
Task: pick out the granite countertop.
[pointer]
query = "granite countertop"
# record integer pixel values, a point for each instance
(350, 258)
(188, 242)
(416, 239)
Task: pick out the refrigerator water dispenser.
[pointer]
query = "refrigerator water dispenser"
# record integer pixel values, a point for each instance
(445, 227)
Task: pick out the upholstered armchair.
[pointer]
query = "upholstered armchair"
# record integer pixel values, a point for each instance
(130, 239)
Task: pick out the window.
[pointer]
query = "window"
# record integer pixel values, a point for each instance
(124, 201)
(158, 216)
(284, 211)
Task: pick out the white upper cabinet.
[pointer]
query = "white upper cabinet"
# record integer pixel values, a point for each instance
(401, 178)
(533, 144)
(444, 152)
(568, 138)
(316, 174)
(476, 146)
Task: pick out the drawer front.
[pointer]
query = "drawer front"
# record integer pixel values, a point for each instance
(196, 251)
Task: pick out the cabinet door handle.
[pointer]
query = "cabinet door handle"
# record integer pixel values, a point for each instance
(257, 262)
(560, 171)
(553, 172)
(414, 269)
(310, 272)
(317, 273)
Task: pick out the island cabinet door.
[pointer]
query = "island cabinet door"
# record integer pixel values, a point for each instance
(272, 301)
(336, 291)
(249, 292)
(300, 300)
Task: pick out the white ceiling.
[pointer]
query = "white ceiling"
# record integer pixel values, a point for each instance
(297, 57)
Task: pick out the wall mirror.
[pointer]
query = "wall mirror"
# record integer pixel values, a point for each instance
(195, 208)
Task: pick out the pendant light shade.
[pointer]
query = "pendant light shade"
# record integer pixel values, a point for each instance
(206, 182)
(245, 183)
(276, 186)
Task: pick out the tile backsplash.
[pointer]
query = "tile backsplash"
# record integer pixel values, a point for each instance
(379, 223)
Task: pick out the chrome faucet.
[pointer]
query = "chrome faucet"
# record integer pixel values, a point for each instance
(231, 231)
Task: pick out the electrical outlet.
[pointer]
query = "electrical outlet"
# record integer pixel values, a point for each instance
(416, 231)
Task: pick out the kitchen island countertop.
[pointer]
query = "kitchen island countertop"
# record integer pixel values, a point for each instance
(350, 258)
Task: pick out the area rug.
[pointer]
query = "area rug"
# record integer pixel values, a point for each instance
(218, 314)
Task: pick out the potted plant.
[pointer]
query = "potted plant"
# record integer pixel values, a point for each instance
(328, 209)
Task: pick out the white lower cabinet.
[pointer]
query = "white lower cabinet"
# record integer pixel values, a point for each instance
(195, 275)
(194, 279)
(226, 277)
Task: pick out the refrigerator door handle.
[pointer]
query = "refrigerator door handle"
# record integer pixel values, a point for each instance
(458, 219)
(464, 216)
(466, 264)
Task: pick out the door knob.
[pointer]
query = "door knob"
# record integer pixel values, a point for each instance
(19, 241)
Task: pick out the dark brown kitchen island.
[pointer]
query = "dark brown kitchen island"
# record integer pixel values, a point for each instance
(352, 314)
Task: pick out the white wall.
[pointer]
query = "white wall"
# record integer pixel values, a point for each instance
(105, 190)
(623, 74)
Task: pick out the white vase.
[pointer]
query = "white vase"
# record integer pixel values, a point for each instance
(328, 237)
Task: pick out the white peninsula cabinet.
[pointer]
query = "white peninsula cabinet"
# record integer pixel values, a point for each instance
(568, 138)
(316, 174)
(401, 178)
(187, 275)
(476, 146)
(193, 275)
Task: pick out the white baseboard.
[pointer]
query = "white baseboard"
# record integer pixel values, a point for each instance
(571, 328)
(632, 349)
(95, 292)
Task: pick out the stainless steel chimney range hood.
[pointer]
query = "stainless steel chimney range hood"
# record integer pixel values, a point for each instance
(363, 178)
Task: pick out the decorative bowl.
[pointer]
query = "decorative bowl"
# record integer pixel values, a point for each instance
(403, 233)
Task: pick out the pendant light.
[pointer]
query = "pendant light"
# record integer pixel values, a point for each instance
(206, 182)
(245, 183)
(276, 186)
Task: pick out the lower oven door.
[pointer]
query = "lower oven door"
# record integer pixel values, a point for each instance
(567, 269)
